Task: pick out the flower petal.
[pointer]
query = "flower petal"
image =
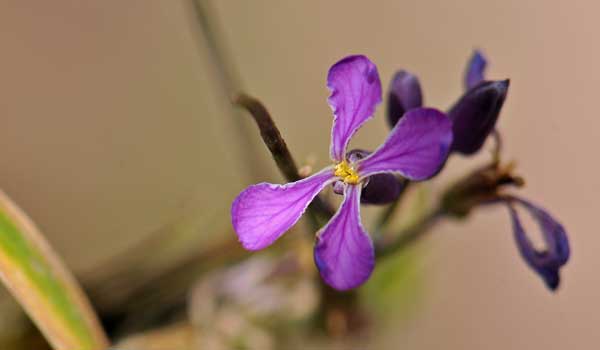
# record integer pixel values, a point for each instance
(355, 92)
(416, 148)
(404, 95)
(344, 251)
(475, 69)
(264, 212)
(547, 262)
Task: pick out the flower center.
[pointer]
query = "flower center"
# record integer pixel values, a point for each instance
(346, 172)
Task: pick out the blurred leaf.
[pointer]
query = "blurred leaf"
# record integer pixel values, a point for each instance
(394, 285)
(41, 284)
(396, 282)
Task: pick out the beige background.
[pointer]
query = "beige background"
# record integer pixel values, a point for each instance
(111, 125)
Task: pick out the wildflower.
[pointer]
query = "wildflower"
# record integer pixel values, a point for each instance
(414, 149)
(475, 113)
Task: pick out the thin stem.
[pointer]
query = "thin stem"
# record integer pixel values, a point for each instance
(229, 82)
(231, 86)
(270, 135)
(384, 218)
(496, 152)
(410, 235)
(283, 158)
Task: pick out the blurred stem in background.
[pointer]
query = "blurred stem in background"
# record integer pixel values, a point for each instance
(229, 84)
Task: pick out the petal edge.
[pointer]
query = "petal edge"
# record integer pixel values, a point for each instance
(263, 212)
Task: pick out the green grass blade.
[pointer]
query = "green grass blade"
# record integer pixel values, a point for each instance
(37, 278)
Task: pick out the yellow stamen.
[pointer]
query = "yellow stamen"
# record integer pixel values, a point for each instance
(346, 173)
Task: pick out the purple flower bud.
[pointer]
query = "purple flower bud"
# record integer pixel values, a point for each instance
(404, 95)
(379, 189)
(474, 115)
(546, 262)
(475, 72)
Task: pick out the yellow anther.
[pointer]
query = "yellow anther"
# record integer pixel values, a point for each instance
(346, 172)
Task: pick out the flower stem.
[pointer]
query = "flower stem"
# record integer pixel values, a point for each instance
(410, 235)
(270, 135)
(385, 216)
(228, 82)
(320, 209)
(497, 151)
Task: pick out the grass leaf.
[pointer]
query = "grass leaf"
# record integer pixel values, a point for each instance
(47, 291)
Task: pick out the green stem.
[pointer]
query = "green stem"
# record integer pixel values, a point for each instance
(229, 83)
(410, 235)
(383, 220)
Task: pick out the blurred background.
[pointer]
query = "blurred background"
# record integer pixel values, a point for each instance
(114, 127)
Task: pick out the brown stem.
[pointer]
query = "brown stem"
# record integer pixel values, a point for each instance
(340, 313)
(279, 150)
(270, 135)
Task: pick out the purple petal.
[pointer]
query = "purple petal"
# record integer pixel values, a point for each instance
(416, 148)
(404, 95)
(344, 252)
(547, 262)
(264, 212)
(355, 92)
(475, 69)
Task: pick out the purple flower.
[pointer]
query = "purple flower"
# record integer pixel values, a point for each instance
(414, 149)
(546, 262)
(473, 116)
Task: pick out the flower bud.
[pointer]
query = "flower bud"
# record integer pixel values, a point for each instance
(404, 94)
(475, 114)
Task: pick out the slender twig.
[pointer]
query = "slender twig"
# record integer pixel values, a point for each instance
(231, 86)
(410, 235)
(279, 150)
(497, 151)
(211, 29)
(229, 82)
(383, 219)
(270, 135)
